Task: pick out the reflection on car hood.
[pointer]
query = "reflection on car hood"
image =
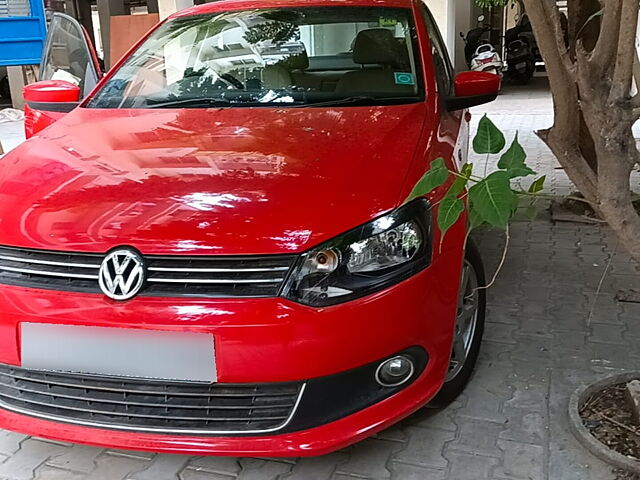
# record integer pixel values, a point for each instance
(226, 181)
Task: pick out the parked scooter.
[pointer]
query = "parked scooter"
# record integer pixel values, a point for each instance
(487, 59)
(524, 31)
(480, 53)
(520, 61)
(522, 52)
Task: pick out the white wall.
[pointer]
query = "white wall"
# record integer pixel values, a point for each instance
(452, 17)
(463, 15)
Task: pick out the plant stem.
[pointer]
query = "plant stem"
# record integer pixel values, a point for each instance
(550, 195)
(502, 260)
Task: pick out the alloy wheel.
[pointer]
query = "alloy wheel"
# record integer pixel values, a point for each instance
(466, 320)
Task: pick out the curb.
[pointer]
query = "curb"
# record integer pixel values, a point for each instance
(583, 435)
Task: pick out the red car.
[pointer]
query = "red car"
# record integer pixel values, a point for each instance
(226, 246)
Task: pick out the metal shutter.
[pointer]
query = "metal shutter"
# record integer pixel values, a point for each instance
(15, 8)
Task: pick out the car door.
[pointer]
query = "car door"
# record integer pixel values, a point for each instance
(68, 60)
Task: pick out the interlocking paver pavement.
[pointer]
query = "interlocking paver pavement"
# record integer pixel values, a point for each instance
(510, 423)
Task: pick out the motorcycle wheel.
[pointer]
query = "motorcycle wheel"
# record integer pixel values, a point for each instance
(522, 78)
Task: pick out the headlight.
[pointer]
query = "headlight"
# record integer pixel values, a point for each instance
(364, 260)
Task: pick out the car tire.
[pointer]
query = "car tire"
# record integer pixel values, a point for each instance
(459, 375)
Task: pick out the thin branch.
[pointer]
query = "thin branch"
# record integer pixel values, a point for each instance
(563, 48)
(604, 53)
(619, 424)
(551, 196)
(604, 274)
(502, 260)
(626, 52)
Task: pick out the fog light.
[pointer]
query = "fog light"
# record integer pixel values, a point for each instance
(395, 371)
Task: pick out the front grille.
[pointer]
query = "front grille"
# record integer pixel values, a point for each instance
(192, 276)
(139, 405)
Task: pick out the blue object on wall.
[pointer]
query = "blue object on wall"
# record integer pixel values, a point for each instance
(22, 32)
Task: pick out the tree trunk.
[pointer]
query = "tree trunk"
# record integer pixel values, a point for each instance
(580, 11)
(563, 138)
(590, 81)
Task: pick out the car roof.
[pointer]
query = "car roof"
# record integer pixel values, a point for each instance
(226, 5)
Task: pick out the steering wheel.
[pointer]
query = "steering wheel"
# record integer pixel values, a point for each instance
(227, 77)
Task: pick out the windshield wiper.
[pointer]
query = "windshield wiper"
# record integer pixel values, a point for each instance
(360, 100)
(191, 102)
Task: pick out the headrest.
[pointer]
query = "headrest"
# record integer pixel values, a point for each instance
(299, 61)
(377, 45)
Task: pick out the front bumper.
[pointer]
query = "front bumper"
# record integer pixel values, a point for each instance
(263, 341)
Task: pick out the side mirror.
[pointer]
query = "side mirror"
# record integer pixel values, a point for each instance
(52, 96)
(473, 88)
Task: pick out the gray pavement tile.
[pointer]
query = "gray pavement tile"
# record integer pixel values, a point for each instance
(224, 465)
(394, 434)
(424, 447)
(47, 472)
(317, 468)
(202, 475)
(79, 458)
(522, 461)
(525, 426)
(499, 332)
(441, 419)
(470, 466)
(165, 467)
(258, 469)
(611, 334)
(401, 471)
(476, 436)
(112, 467)
(23, 463)
(10, 442)
(369, 459)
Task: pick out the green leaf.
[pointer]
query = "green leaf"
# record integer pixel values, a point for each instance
(461, 181)
(513, 161)
(435, 177)
(493, 198)
(475, 220)
(449, 211)
(538, 185)
(532, 212)
(488, 139)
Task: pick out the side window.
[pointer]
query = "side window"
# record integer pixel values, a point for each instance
(67, 56)
(441, 61)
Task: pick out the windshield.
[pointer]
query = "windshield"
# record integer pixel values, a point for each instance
(284, 56)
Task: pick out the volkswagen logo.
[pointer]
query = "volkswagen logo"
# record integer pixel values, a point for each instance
(121, 274)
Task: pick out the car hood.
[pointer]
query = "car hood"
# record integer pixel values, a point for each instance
(206, 181)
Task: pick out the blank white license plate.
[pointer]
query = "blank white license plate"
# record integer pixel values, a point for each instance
(121, 352)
